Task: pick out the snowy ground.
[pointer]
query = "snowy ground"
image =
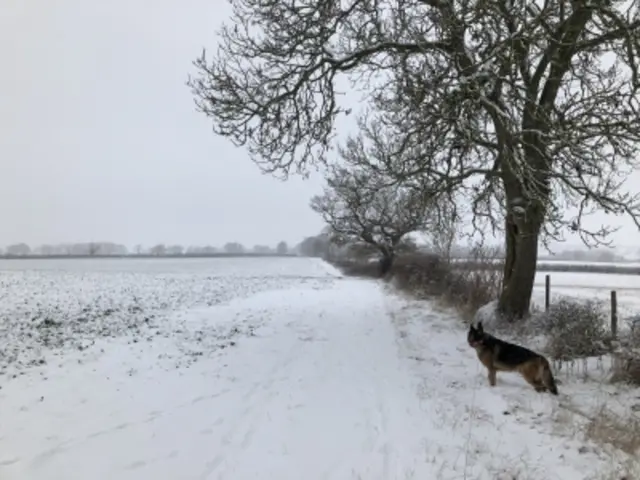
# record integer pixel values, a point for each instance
(273, 370)
(47, 304)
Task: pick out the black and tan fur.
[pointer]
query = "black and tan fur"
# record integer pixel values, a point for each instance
(500, 356)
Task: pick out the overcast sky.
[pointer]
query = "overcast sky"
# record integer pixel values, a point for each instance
(100, 139)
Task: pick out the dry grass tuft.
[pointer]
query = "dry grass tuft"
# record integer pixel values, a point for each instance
(466, 287)
(621, 432)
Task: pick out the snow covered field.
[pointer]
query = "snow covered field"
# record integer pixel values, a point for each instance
(577, 263)
(594, 286)
(552, 261)
(265, 368)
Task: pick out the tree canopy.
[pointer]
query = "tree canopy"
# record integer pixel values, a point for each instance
(360, 208)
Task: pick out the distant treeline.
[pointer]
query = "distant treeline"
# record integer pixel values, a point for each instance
(147, 255)
(112, 250)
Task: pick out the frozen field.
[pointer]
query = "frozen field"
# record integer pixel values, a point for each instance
(264, 369)
(579, 263)
(594, 264)
(595, 286)
(566, 263)
(48, 303)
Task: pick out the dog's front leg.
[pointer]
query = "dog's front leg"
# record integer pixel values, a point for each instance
(492, 377)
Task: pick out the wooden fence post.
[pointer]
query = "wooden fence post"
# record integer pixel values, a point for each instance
(614, 314)
(547, 292)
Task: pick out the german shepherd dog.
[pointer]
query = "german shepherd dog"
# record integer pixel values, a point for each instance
(497, 355)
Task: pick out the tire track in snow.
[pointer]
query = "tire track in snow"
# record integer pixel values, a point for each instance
(41, 459)
(243, 426)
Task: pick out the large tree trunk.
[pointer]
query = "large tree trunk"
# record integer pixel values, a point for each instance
(527, 193)
(519, 268)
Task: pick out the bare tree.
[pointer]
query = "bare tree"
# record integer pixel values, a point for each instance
(443, 237)
(234, 248)
(530, 108)
(316, 246)
(359, 207)
(208, 250)
(158, 250)
(282, 248)
(18, 250)
(93, 248)
(361, 251)
(380, 150)
(175, 250)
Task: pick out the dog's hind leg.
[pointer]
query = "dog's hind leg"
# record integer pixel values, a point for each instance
(530, 374)
(539, 386)
(548, 380)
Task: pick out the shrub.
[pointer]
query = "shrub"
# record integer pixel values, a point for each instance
(623, 432)
(634, 328)
(626, 357)
(574, 329)
(626, 365)
(467, 285)
(420, 274)
(359, 269)
(476, 283)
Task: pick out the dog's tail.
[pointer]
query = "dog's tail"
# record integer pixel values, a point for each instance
(547, 378)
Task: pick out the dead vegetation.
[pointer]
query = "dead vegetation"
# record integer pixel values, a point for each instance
(626, 358)
(465, 286)
(611, 432)
(621, 432)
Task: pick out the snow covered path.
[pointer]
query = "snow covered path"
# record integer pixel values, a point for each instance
(335, 381)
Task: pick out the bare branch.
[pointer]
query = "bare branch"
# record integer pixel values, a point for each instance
(360, 204)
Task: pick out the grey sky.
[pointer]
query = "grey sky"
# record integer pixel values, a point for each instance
(100, 139)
